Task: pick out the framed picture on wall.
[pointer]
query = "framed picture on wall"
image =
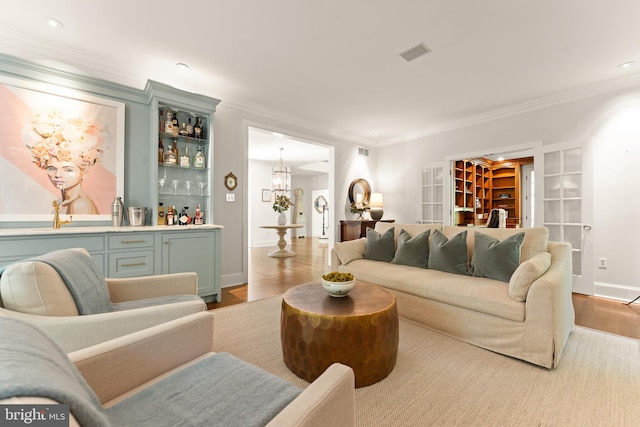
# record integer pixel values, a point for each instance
(62, 145)
(266, 195)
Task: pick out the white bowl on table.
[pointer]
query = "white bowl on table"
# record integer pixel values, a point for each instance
(338, 289)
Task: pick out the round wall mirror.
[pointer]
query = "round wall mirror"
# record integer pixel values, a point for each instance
(359, 186)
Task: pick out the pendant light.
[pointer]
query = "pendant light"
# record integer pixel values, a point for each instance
(281, 178)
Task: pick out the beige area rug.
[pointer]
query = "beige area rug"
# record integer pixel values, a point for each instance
(442, 381)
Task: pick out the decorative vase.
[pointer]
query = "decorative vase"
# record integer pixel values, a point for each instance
(282, 218)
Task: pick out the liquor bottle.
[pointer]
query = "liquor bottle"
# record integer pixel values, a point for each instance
(183, 130)
(161, 123)
(184, 217)
(190, 128)
(197, 129)
(170, 217)
(162, 220)
(198, 160)
(170, 156)
(197, 219)
(168, 124)
(185, 160)
(160, 151)
(176, 125)
(175, 151)
(203, 133)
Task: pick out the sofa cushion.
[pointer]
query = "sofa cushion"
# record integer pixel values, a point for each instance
(527, 273)
(350, 250)
(494, 258)
(472, 293)
(449, 255)
(379, 247)
(240, 394)
(412, 251)
(412, 229)
(36, 288)
(535, 238)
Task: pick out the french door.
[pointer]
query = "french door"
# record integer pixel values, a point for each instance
(435, 188)
(566, 194)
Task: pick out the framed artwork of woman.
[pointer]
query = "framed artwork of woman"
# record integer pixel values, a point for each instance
(58, 145)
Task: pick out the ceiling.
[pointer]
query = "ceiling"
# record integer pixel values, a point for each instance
(334, 65)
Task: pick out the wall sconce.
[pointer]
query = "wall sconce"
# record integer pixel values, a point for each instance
(376, 205)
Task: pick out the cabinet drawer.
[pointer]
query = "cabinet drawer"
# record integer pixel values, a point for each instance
(131, 240)
(131, 264)
(25, 247)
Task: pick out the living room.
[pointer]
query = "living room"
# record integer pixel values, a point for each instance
(587, 103)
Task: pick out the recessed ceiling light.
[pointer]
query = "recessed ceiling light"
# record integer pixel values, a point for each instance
(626, 65)
(54, 23)
(182, 66)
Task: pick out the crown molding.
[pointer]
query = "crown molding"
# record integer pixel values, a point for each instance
(525, 107)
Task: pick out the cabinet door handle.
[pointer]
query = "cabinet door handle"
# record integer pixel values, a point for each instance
(166, 242)
(133, 264)
(133, 241)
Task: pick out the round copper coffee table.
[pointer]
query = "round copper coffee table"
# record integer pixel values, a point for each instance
(359, 330)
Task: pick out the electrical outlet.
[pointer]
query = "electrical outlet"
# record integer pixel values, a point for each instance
(602, 263)
(231, 197)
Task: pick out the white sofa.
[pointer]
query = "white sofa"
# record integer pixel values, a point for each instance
(529, 318)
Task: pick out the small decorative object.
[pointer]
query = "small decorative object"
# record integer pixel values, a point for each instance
(338, 284)
(230, 181)
(281, 205)
(359, 209)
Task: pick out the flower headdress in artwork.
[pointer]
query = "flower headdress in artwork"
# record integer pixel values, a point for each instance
(53, 135)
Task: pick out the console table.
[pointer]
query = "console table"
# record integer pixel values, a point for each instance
(281, 252)
(357, 228)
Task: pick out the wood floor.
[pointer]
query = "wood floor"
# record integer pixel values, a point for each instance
(273, 276)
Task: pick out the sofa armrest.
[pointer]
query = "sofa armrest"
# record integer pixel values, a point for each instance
(345, 252)
(328, 401)
(549, 302)
(75, 332)
(115, 367)
(135, 288)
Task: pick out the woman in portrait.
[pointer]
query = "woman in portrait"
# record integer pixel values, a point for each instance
(66, 148)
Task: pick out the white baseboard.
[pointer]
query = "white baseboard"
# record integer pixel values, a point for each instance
(233, 279)
(615, 291)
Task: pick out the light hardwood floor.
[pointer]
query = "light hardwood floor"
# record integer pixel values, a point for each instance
(273, 276)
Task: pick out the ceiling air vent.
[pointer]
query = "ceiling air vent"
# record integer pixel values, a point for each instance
(415, 52)
(364, 152)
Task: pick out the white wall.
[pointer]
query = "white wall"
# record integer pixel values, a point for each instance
(611, 120)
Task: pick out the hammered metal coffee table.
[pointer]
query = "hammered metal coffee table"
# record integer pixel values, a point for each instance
(359, 330)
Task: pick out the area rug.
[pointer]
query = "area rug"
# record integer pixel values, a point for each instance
(439, 380)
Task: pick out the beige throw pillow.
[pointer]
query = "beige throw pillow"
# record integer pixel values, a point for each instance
(350, 250)
(527, 273)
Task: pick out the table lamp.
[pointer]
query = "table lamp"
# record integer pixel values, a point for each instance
(376, 205)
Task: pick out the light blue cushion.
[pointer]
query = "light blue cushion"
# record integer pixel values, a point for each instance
(449, 255)
(496, 259)
(413, 251)
(379, 247)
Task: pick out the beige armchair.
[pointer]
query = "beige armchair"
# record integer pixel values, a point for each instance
(136, 379)
(35, 292)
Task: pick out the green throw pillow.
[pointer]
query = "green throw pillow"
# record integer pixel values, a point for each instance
(449, 255)
(496, 259)
(413, 251)
(379, 247)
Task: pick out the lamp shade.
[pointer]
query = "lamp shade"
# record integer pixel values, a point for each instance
(376, 200)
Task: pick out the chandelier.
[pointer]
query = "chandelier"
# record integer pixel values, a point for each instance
(281, 178)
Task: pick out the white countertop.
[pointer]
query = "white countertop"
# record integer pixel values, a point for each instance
(65, 229)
